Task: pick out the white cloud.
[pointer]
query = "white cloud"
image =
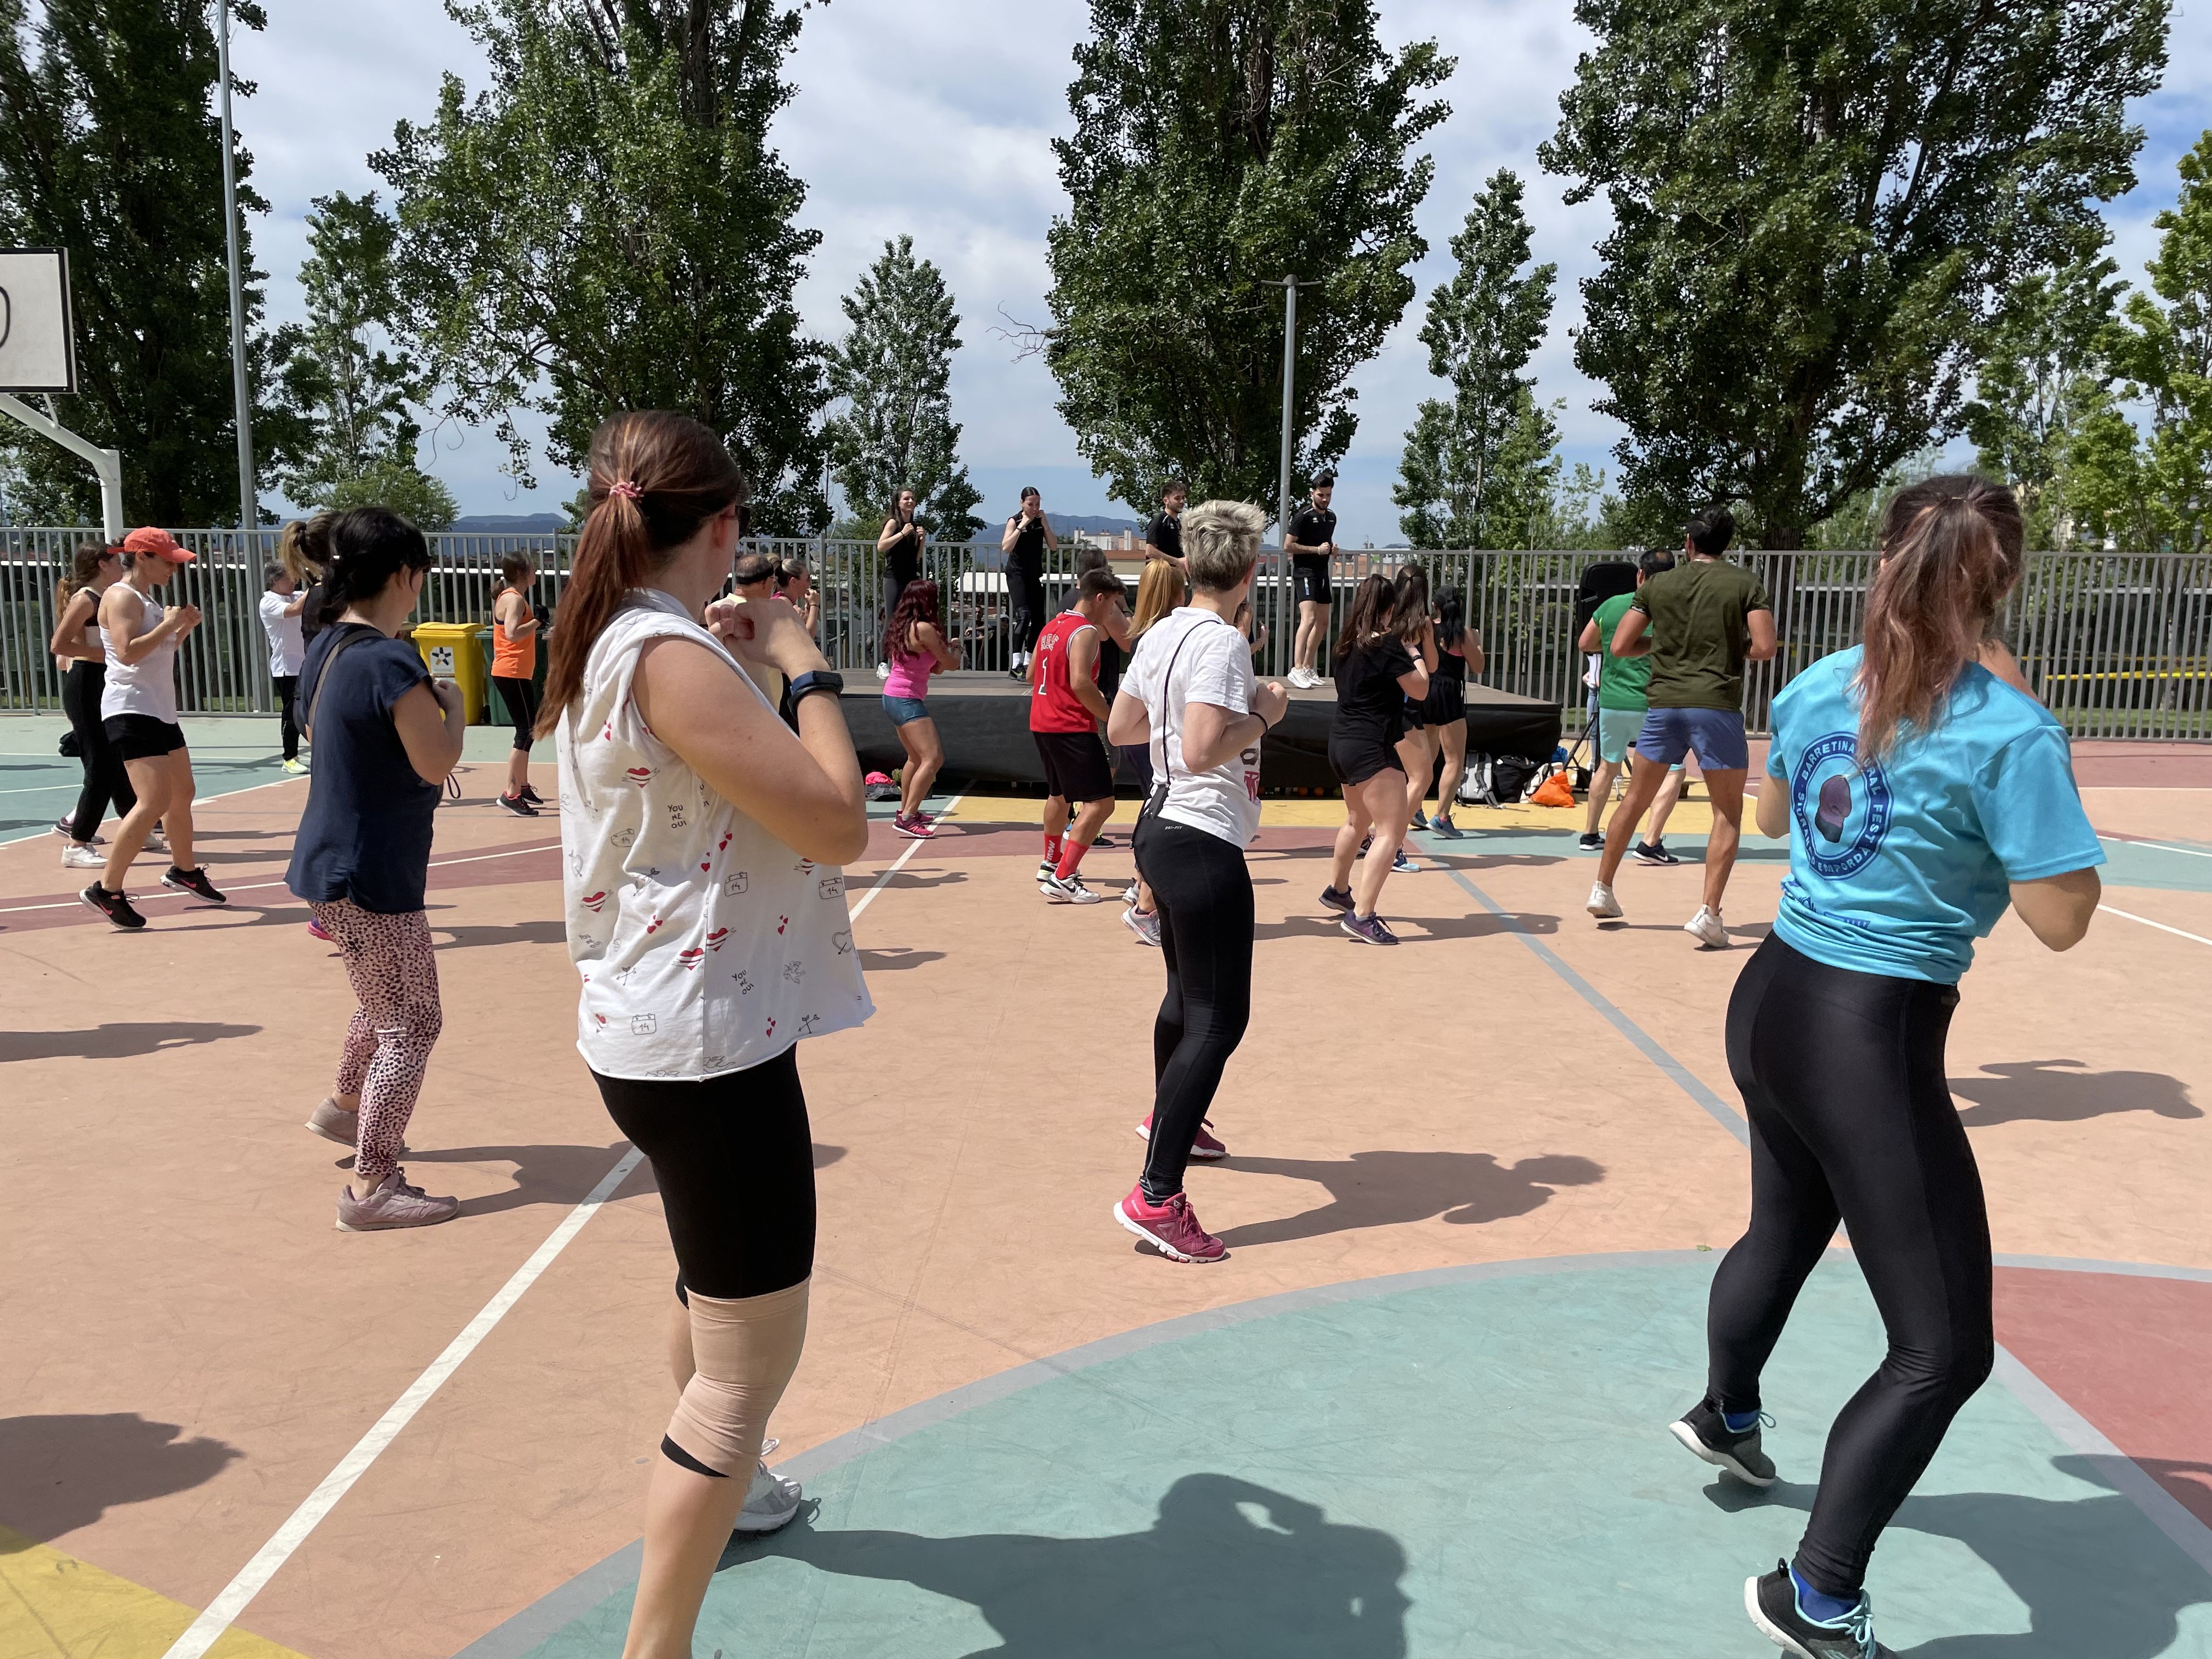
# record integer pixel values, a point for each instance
(937, 120)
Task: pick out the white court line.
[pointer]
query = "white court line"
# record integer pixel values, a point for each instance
(206, 1630)
(257, 886)
(899, 863)
(2161, 926)
(2130, 841)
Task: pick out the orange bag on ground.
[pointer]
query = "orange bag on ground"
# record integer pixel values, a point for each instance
(1558, 790)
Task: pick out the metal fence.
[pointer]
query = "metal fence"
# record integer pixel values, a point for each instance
(2119, 645)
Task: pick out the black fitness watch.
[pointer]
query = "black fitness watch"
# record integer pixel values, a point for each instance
(817, 679)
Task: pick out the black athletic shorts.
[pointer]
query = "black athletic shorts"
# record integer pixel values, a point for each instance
(1310, 581)
(1416, 714)
(1355, 760)
(1075, 765)
(141, 737)
(1446, 702)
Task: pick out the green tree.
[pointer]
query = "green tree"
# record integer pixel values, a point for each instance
(893, 367)
(2040, 374)
(1219, 145)
(605, 228)
(110, 146)
(2150, 489)
(1817, 211)
(1475, 465)
(349, 385)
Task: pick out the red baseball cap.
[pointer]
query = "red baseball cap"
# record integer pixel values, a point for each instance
(159, 543)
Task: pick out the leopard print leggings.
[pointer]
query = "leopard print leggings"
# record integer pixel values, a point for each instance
(394, 974)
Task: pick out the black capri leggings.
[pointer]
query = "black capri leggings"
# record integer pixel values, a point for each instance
(735, 1161)
(105, 778)
(521, 698)
(1842, 1075)
(1028, 609)
(1204, 898)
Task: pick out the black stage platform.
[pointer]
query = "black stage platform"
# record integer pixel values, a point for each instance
(983, 719)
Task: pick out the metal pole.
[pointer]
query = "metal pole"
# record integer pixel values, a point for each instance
(249, 512)
(1284, 608)
(106, 464)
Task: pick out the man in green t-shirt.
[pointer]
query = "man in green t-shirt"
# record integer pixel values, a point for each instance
(1621, 685)
(1699, 624)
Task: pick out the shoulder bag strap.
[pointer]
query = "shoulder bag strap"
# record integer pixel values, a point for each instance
(323, 678)
(1167, 700)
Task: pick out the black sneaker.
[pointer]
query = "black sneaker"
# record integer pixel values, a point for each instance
(1706, 1432)
(193, 881)
(1337, 899)
(533, 796)
(67, 831)
(1592, 841)
(116, 908)
(518, 806)
(1772, 1602)
(1104, 840)
(1652, 852)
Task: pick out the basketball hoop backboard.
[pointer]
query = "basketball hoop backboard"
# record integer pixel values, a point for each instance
(37, 341)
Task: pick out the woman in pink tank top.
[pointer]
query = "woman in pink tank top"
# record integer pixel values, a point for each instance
(914, 645)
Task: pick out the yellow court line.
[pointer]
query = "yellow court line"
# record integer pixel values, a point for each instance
(53, 1606)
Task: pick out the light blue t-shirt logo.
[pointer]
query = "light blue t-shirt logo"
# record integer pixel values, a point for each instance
(1850, 805)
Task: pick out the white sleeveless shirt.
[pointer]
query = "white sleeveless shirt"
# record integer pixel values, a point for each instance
(706, 945)
(147, 686)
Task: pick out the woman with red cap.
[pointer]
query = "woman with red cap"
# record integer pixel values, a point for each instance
(138, 714)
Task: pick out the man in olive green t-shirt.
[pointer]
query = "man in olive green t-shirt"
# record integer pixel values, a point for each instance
(1699, 624)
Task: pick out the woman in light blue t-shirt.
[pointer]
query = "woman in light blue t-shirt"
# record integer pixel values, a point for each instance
(1923, 790)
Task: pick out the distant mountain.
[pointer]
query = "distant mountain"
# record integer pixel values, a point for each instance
(509, 523)
(1092, 525)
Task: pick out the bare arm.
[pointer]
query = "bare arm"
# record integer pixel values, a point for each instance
(1082, 664)
(127, 650)
(68, 632)
(803, 788)
(1588, 642)
(1130, 723)
(927, 636)
(299, 604)
(1632, 637)
(521, 621)
(431, 721)
(1773, 807)
(1013, 530)
(1211, 734)
(893, 532)
(2058, 910)
(1763, 640)
(1470, 647)
(1998, 657)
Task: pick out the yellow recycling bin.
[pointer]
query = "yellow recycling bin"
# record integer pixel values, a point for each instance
(451, 652)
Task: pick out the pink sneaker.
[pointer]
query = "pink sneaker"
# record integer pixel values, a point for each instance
(1168, 1228)
(316, 930)
(917, 827)
(394, 1204)
(1204, 1147)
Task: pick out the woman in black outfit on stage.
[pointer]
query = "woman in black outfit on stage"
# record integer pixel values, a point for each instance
(899, 545)
(1028, 533)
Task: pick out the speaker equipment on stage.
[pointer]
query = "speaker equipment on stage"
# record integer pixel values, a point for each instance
(1608, 580)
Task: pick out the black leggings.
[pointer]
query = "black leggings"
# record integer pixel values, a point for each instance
(1841, 1074)
(521, 697)
(1028, 609)
(735, 1161)
(105, 778)
(287, 717)
(1204, 898)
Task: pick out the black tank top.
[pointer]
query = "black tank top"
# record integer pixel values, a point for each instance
(1027, 555)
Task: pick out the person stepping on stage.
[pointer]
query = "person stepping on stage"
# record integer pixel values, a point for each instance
(1065, 708)
(1921, 787)
(1191, 695)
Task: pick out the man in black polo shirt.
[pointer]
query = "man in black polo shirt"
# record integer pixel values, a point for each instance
(1164, 536)
(1311, 544)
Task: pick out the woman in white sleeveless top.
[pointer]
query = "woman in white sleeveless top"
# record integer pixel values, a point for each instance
(706, 913)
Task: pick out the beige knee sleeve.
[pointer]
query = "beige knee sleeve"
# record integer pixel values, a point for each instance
(746, 1349)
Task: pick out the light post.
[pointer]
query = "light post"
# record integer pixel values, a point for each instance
(249, 511)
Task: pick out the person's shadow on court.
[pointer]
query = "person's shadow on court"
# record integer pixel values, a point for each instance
(1231, 1568)
(2100, 1580)
(1384, 1189)
(63, 1472)
(2066, 1091)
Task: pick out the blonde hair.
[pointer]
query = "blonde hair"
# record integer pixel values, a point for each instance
(1160, 589)
(292, 552)
(1221, 542)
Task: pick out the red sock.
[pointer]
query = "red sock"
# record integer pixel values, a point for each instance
(1071, 858)
(1052, 851)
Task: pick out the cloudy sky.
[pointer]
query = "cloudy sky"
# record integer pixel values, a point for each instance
(936, 119)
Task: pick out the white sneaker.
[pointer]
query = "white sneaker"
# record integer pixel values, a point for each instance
(1070, 891)
(883, 671)
(1303, 678)
(82, 858)
(1705, 928)
(771, 1502)
(1602, 902)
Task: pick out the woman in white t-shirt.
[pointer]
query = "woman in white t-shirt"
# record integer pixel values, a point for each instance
(702, 838)
(1191, 696)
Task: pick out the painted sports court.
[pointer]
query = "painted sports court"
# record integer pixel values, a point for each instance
(1477, 1189)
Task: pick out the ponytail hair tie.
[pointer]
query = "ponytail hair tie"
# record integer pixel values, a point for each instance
(625, 489)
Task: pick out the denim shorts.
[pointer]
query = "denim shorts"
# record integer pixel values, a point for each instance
(1715, 735)
(903, 709)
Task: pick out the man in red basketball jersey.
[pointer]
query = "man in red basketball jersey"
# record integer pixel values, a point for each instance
(1065, 708)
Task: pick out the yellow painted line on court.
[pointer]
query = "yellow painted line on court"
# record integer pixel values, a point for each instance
(53, 1606)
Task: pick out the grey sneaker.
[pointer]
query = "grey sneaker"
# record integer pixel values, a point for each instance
(771, 1502)
(1368, 930)
(1706, 1434)
(394, 1204)
(333, 1122)
(86, 857)
(1144, 924)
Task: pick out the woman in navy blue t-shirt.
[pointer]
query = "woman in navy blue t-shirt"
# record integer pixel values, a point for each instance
(1923, 790)
(386, 737)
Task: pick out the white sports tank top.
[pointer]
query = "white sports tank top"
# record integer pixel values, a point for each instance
(147, 686)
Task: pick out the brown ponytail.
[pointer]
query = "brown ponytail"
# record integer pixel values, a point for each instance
(84, 570)
(1950, 554)
(655, 478)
